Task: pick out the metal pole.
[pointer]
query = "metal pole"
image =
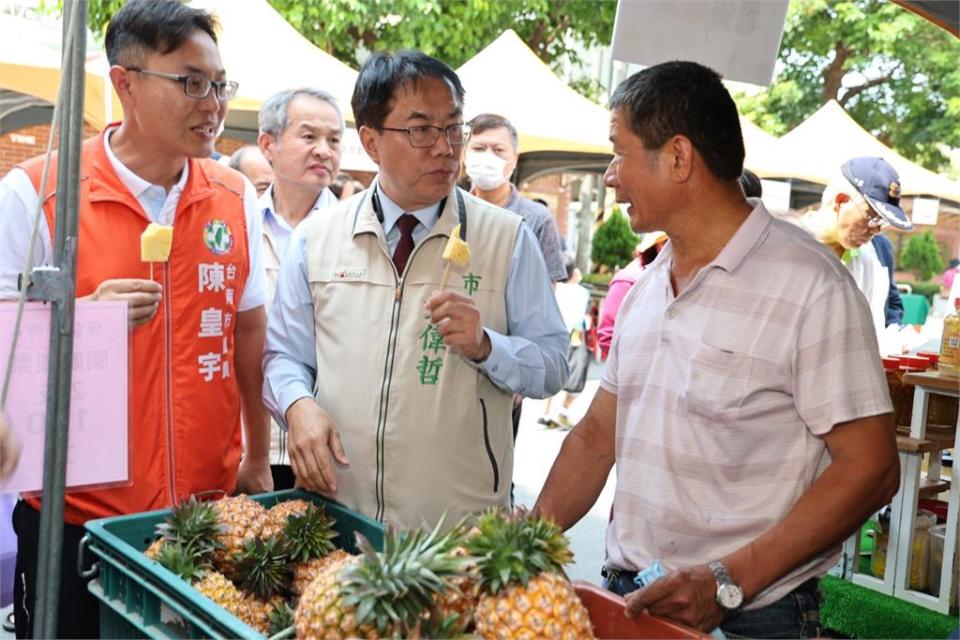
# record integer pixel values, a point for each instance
(61, 324)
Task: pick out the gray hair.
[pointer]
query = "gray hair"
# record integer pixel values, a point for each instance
(236, 160)
(273, 112)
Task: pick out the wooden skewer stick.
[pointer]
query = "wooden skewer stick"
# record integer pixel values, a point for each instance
(151, 271)
(446, 272)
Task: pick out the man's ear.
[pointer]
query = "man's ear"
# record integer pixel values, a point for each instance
(369, 140)
(839, 201)
(266, 142)
(120, 79)
(680, 151)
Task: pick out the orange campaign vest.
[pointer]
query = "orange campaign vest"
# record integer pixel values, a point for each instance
(184, 404)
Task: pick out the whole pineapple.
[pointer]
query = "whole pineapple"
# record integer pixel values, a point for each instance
(241, 519)
(276, 517)
(524, 593)
(263, 568)
(307, 533)
(192, 524)
(257, 614)
(183, 562)
(380, 594)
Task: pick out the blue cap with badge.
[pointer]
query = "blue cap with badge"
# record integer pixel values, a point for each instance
(879, 184)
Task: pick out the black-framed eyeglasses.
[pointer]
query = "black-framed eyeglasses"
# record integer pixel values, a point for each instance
(426, 135)
(196, 85)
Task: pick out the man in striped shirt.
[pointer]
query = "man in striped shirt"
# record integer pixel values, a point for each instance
(743, 403)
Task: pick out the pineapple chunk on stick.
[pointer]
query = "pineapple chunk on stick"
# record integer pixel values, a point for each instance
(155, 242)
(456, 252)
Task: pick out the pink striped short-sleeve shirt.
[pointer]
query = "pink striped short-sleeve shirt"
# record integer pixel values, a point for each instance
(725, 391)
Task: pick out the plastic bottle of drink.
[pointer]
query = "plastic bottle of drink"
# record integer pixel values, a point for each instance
(950, 343)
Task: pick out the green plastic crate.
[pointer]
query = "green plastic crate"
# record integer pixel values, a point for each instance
(139, 598)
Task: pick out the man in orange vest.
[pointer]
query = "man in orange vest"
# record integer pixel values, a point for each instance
(197, 320)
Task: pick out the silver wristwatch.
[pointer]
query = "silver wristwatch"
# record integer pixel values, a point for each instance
(729, 593)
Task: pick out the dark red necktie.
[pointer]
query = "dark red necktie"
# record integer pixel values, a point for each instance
(406, 223)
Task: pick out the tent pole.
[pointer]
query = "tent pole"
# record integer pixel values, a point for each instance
(61, 286)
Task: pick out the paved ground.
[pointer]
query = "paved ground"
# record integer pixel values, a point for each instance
(536, 450)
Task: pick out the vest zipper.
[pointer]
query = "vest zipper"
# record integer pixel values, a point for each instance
(168, 387)
(385, 397)
(388, 377)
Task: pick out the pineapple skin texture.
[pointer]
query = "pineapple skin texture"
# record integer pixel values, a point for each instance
(257, 613)
(547, 607)
(153, 551)
(276, 518)
(242, 519)
(223, 592)
(306, 572)
(321, 613)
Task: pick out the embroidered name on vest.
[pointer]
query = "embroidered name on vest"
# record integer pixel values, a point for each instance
(347, 273)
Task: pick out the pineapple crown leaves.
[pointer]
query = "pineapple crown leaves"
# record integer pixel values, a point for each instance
(512, 549)
(438, 626)
(179, 560)
(263, 567)
(395, 586)
(310, 535)
(281, 618)
(193, 525)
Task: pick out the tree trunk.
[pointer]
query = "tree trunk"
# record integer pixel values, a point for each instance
(833, 74)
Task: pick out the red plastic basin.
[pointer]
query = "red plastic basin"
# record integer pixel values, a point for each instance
(606, 614)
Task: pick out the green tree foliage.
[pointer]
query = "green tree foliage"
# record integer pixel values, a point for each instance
(452, 30)
(922, 255)
(895, 73)
(614, 242)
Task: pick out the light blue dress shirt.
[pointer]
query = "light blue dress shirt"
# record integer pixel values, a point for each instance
(279, 229)
(531, 360)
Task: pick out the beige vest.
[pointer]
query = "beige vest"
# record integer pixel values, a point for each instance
(425, 431)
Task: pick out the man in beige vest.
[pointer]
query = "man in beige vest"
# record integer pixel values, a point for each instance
(396, 384)
(300, 135)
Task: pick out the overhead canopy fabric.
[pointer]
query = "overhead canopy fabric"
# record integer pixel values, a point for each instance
(265, 54)
(763, 149)
(508, 79)
(30, 63)
(818, 146)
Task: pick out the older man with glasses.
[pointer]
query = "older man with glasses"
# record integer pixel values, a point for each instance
(197, 320)
(394, 381)
(853, 210)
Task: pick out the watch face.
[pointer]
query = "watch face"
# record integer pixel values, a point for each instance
(730, 596)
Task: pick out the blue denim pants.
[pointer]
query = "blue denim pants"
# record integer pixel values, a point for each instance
(795, 615)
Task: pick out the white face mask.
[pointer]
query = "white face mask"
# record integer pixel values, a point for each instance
(485, 169)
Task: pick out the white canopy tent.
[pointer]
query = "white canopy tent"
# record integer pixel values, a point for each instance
(30, 63)
(816, 148)
(508, 79)
(265, 54)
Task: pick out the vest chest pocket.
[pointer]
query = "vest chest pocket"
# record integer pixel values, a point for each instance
(717, 384)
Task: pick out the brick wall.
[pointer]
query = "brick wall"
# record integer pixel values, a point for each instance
(553, 188)
(23, 144)
(227, 146)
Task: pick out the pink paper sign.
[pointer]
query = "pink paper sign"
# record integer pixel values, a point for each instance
(97, 451)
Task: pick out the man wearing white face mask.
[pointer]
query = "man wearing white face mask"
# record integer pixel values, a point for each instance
(492, 154)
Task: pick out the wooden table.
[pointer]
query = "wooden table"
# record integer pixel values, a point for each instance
(920, 442)
(925, 385)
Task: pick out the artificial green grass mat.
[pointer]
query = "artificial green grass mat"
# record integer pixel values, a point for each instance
(863, 613)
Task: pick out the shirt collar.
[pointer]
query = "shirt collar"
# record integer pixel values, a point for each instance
(265, 202)
(137, 185)
(392, 212)
(753, 229)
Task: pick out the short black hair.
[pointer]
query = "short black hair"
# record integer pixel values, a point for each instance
(688, 99)
(750, 184)
(488, 121)
(147, 26)
(384, 73)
